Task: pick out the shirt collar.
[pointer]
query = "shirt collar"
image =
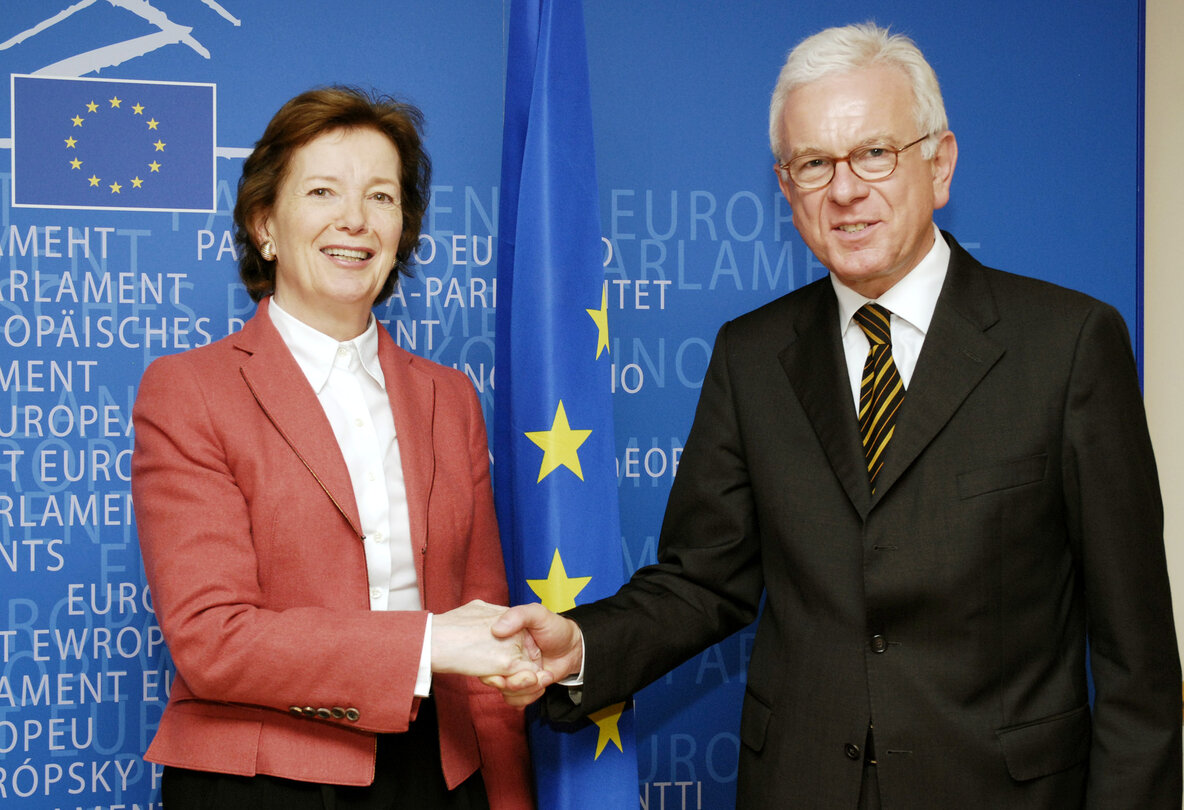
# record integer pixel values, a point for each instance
(315, 351)
(913, 298)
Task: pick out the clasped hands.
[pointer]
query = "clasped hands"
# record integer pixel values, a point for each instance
(519, 651)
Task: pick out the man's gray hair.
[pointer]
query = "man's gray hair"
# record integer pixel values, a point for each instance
(836, 51)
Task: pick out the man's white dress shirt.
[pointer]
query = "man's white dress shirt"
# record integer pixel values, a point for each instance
(911, 302)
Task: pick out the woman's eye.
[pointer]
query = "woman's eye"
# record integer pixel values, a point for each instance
(319, 192)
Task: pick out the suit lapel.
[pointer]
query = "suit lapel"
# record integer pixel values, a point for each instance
(817, 370)
(957, 354)
(412, 394)
(282, 391)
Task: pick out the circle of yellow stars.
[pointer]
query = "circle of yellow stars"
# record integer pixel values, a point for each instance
(94, 108)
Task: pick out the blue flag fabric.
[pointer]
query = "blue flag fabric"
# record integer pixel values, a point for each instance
(123, 145)
(554, 450)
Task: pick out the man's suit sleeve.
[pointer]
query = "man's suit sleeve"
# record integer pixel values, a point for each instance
(1116, 523)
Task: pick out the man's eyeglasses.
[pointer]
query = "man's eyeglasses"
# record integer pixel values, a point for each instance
(874, 162)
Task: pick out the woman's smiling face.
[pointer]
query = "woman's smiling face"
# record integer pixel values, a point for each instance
(335, 224)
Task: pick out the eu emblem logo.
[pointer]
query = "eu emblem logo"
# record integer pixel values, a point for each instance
(123, 145)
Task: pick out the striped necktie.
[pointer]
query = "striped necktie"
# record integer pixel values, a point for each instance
(881, 391)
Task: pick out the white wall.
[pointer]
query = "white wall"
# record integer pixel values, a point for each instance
(1164, 270)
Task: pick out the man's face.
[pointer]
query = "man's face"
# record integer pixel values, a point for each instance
(870, 234)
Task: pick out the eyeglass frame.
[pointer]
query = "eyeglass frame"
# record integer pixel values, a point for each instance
(835, 161)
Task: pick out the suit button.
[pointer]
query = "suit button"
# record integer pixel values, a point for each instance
(309, 711)
(852, 751)
(352, 715)
(296, 710)
(879, 643)
(324, 714)
(338, 712)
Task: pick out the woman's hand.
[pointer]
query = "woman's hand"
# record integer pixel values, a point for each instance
(462, 643)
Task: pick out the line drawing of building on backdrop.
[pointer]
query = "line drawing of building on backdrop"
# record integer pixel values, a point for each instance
(117, 53)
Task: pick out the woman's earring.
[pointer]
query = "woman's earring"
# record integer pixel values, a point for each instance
(267, 251)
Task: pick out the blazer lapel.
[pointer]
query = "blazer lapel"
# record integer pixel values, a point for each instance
(815, 365)
(957, 354)
(412, 394)
(283, 392)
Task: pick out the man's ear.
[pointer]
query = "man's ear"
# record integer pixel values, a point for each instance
(943, 164)
(786, 187)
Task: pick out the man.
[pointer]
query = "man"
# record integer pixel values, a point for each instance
(940, 500)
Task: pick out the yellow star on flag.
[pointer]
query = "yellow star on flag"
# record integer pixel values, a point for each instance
(137, 182)
(159, 145)
(154, 166)
(71, 143)
(94, 181)
(600, 317)
(138, 109)
(115, 101)
(560, 445)
(606, 721)
(115, 187)
(152, 123)
(92, 107)
(75, 164)
(77, 120)
(558, 591)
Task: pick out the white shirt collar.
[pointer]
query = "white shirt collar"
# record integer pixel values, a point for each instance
(913, 298)
(316, 352)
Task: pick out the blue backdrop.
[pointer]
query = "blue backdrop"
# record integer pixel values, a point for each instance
(1047, 116)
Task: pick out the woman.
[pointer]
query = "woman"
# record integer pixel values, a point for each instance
(308, 495)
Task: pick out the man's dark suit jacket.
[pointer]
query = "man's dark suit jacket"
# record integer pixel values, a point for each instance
(1018, 512)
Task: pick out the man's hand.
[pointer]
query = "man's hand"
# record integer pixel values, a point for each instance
(556, 644)
(462, 643)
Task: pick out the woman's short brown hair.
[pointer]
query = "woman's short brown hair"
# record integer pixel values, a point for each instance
(304, 118)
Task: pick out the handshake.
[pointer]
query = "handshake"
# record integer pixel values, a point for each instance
(519, 651)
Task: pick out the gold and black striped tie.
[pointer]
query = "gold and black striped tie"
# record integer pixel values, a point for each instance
(881, 391)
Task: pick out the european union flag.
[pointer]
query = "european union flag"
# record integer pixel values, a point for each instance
(554, 450)
(125, 145)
